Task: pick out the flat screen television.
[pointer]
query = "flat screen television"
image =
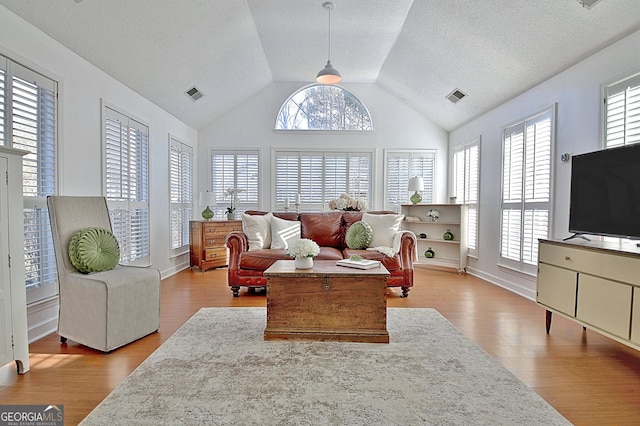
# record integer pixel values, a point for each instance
(605, 192)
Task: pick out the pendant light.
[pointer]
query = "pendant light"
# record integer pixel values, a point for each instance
(329, 75)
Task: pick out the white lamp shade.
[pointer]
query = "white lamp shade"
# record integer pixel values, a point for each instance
(207, 199)
(416, 183)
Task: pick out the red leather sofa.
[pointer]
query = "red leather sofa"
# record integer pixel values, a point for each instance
(328, 230)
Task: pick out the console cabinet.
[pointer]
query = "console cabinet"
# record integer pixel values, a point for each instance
(207, 239)
(14, 344)
(429, 234)
(595, 284)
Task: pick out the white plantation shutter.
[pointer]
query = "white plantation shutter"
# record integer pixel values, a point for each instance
(622, 112)
(320, 177)
(126, 171)
(239, 170)
(526, 190)
(400, 166)
(181, 196)
(28, 109)
(466, 186)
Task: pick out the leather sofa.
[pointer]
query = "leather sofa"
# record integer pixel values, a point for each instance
(328, 230)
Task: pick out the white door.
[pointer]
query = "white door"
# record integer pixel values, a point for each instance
(6, 348)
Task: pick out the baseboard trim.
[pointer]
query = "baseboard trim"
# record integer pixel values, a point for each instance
(527, 292)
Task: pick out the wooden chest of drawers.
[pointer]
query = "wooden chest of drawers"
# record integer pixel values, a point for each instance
(207, 238)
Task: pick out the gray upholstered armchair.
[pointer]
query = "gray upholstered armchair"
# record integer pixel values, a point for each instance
(101, 310)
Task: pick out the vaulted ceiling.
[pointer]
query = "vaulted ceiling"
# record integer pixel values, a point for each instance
(418, 50)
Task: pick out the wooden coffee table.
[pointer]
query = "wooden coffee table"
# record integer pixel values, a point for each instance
(328, 302)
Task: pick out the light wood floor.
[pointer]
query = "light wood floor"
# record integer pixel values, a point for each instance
(588, 378)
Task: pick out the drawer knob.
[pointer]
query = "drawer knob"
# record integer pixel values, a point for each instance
(567, 258)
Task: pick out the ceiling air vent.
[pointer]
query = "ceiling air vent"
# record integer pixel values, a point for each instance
(588, 4)
(455, 96)
(194, 93)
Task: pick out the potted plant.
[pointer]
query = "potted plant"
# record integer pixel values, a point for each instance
(304, 250)
(232, 194)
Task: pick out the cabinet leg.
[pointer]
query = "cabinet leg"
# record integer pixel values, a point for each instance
(548, 321)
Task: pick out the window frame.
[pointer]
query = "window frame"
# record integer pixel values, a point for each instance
(314, 86)
(40, 267)
(308, 203)
(428, 195)
(522, 265)
(464, 149)
(133, 251)
(626, 84)
(218, 188)
(181, 201)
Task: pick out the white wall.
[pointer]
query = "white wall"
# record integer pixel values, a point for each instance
(577, 93)
(81, 89)
(251, 125)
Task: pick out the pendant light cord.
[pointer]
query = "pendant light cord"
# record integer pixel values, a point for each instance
(329, 57)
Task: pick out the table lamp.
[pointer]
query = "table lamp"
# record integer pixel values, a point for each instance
(416, 184)
(207, 199)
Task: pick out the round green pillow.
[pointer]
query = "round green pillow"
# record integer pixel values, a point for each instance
(94, 250)
(359, 235)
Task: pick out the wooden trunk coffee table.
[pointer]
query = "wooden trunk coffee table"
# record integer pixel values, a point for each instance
(328, 302)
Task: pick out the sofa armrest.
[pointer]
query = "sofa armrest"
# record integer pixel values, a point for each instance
(237, 243)
(408, 250)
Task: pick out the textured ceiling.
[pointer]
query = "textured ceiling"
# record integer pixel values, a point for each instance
(418, 50)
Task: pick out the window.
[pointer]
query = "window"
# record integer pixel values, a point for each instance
(402, 165)
(466, 187)
(526, 190)
(126, 183)
(622, 112)
(323, 107)
(236, 170)
(181, 187)
(320, 177)
(28, 121)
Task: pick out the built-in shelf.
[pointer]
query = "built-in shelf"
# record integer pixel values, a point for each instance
(448, 253)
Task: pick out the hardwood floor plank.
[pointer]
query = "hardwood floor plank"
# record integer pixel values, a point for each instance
(589, 378)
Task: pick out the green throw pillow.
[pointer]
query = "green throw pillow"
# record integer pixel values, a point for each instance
(359, 235)
(94, 250)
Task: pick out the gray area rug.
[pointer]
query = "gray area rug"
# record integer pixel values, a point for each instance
(217, 370)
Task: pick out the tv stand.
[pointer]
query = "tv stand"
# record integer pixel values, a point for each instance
(576, 235)
(594, 284)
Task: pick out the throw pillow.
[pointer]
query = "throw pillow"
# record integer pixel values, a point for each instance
(257, 228)
(359, 235)
(284, 232)
(94, 250)
(385, 227)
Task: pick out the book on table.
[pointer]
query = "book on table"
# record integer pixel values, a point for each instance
(360, 264)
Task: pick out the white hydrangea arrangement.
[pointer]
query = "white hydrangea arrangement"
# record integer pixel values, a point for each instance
(347, 203)
(433, 215)
(304, 248)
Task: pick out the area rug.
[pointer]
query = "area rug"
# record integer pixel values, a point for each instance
(217, 370)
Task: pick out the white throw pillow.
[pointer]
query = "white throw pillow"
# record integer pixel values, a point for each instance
(385, 227)
(257, 228)
(284, 233)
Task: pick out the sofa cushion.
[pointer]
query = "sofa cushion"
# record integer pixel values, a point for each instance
(359, 235)
(257, 228)
(323, 228)
(261, 259)
(284, 232)
(385, 227)
(329, 253)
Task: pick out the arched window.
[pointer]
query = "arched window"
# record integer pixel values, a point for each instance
(323, 107)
